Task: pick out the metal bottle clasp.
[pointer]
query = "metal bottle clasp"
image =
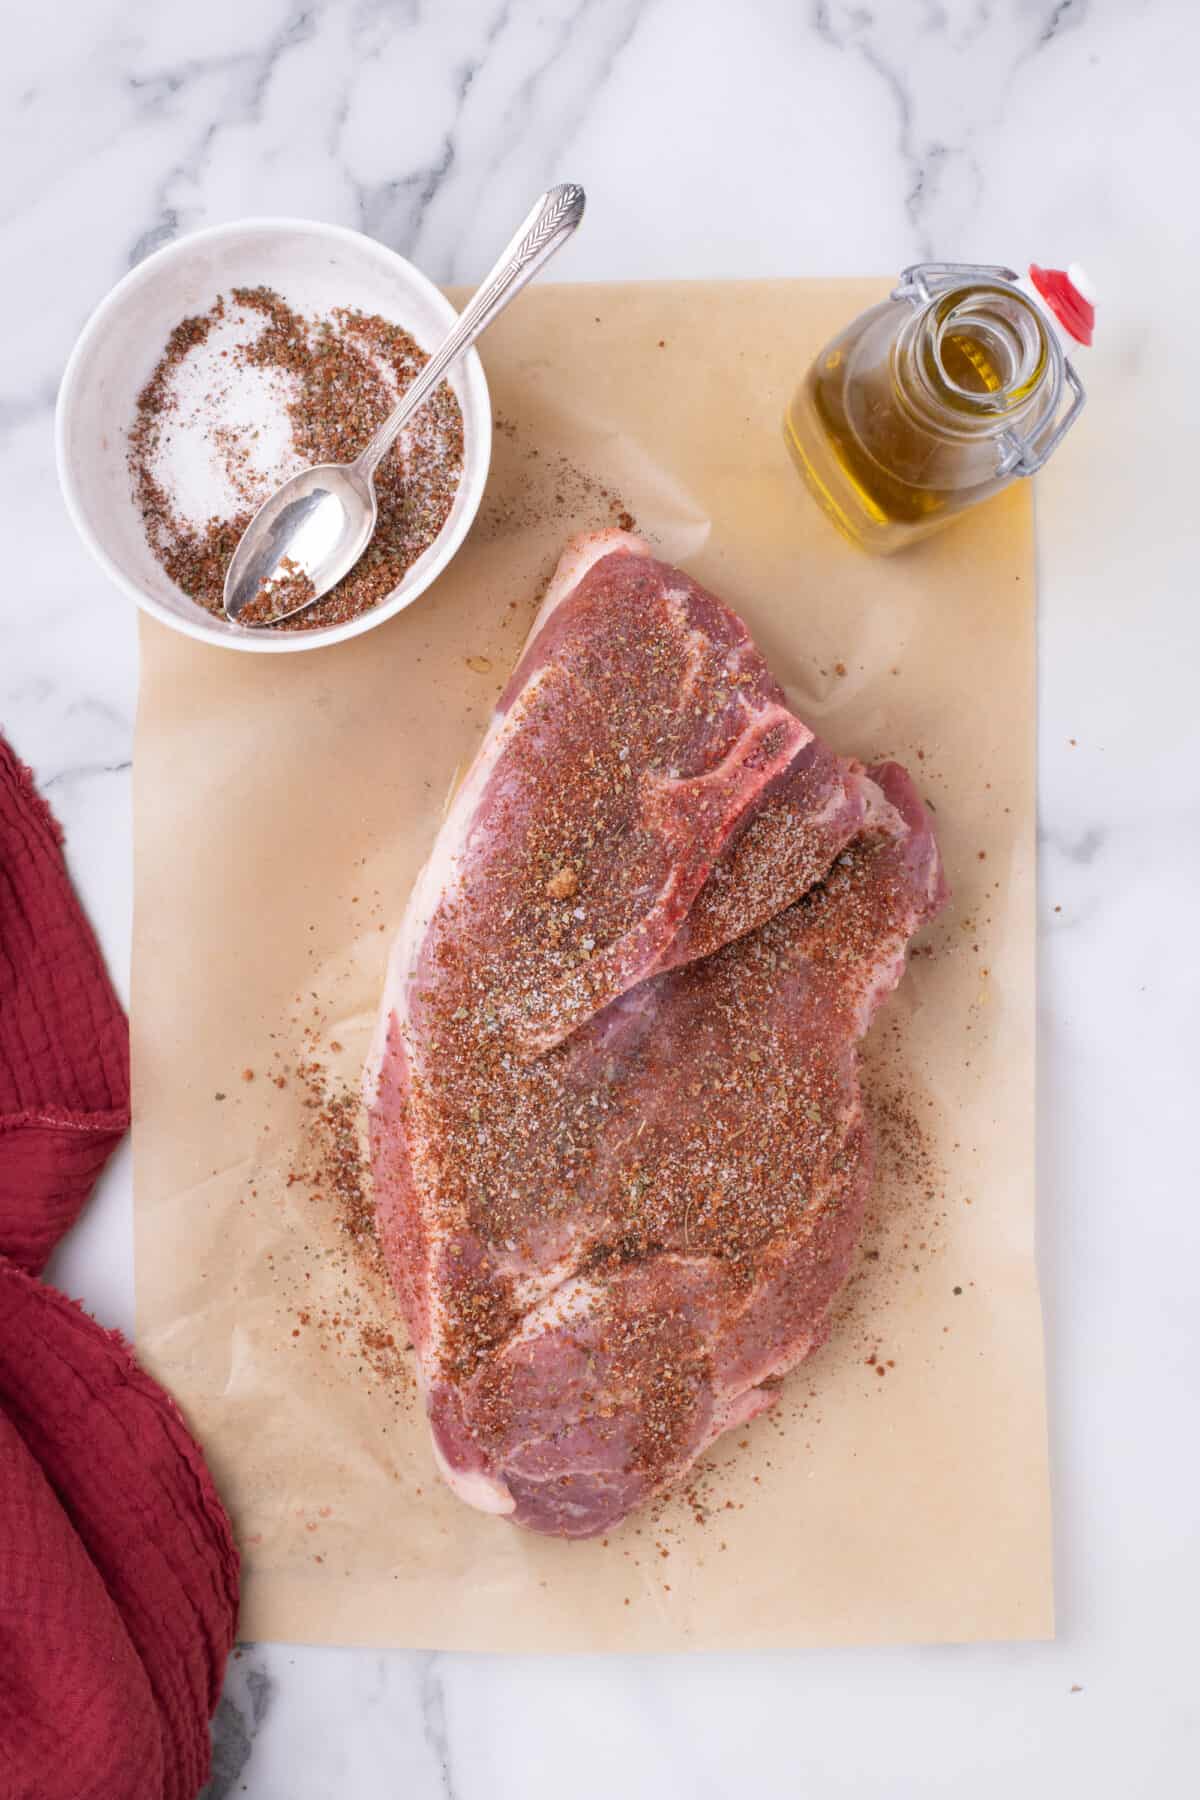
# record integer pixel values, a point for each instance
(1018, 456)
(921, 281)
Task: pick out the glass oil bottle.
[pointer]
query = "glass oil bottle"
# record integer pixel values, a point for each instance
(939, 397)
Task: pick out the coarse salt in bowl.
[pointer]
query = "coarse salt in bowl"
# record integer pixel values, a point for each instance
(314, 268)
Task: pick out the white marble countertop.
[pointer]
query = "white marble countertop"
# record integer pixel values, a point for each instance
(771, 137)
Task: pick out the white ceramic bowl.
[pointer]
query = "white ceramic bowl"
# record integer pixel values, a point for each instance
(315, 267)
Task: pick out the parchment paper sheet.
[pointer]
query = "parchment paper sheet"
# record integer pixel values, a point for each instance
(283, 806)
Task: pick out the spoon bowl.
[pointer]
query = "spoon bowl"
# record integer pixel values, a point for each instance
(320, 522)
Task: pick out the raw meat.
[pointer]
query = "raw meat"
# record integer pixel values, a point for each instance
(618, 1146)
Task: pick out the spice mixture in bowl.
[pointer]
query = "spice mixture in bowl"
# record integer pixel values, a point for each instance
(249, 393)
(227, 362)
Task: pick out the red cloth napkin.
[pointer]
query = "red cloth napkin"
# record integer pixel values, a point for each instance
(118, 1572)
(64, 1043)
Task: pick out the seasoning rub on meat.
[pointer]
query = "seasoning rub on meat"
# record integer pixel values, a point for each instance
(618, 1146)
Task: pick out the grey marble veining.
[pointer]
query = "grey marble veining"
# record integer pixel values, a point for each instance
(766, 138)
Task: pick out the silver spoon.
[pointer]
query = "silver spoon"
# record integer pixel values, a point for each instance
(314, 528)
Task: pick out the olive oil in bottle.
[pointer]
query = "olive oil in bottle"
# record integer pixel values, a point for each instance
(937, 398)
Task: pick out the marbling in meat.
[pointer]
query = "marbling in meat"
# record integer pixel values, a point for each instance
(618, 1147)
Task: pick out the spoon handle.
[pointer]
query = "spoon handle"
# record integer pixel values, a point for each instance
(547, 228)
